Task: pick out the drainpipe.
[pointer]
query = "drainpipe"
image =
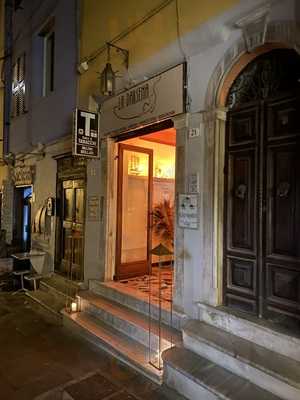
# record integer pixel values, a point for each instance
(8, 44)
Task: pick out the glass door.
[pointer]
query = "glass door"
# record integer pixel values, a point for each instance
(135, 172)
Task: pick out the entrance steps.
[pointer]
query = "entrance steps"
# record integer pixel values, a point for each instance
(229, 357)
(118, 328)
(198, 378)
(53, 293)
(139, 304)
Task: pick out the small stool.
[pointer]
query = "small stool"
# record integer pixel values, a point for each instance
(33, 278)
(21, 274)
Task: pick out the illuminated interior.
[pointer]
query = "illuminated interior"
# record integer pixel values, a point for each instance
(135, 194)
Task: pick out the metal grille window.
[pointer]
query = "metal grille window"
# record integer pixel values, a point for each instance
(18, 87)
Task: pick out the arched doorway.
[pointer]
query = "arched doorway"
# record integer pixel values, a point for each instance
(262, 188)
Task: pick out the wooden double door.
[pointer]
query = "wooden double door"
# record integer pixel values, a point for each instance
(262, 208)
(72, 228)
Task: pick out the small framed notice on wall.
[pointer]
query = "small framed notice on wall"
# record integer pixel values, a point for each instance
(188, 211)
(93, 204)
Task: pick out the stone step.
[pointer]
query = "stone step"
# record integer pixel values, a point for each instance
(128, 321)
(114, 342)
(259, 331)
(197, 378)
(269, 370)
(140, 305)
(59, 285)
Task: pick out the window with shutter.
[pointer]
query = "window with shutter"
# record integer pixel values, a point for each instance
(18, 87)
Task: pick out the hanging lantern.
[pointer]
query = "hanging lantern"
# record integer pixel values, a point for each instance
(108, 80)
(108, 76)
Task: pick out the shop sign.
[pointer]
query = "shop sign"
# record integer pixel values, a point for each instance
(153, 100)
(86, 134)
(23, 176)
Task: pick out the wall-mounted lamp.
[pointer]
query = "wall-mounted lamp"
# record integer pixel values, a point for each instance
(83, 67)
(108, 76)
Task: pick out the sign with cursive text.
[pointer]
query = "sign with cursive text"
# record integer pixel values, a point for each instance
(153, 100)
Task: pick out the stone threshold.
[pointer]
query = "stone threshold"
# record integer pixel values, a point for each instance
(198, 378)
(261, 332)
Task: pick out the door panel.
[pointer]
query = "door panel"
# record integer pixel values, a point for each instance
(283, 287)
(283, 118)
(79, 205)
(262, 209)
(242, 202)
(282, 257)
(243, 126)
(134, 206)
(73, 229)
(240, 239)
(283, 217)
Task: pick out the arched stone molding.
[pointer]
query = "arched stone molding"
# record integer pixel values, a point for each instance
(280, 34)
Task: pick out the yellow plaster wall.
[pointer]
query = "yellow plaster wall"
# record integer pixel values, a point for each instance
(102, 21)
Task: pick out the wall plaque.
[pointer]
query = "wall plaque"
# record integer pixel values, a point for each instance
(24, 175)
(188, 212)
(93, 205)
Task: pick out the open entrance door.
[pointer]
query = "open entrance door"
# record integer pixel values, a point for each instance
(135, 173)
(22, 218)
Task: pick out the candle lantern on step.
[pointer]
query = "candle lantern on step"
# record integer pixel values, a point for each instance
(160, 306)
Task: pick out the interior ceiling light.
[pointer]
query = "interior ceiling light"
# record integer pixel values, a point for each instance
(108, 76)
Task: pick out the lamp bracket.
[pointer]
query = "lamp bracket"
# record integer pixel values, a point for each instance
(124, 52)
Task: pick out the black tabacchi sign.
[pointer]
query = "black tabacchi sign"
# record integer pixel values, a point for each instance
(86, 134)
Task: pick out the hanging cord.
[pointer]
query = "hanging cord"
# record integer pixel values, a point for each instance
(127, 31)
(185, 57)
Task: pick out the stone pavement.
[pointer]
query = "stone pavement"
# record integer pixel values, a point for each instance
(42, 361)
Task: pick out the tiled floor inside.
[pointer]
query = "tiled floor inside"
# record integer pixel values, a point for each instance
(145, 287)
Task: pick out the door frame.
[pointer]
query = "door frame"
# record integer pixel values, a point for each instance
(21, 247)
(74, 169)
(118, 265)
(262, 145)
(74, 184)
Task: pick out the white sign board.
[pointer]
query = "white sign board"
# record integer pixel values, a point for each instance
(156, 99)
(188, 211)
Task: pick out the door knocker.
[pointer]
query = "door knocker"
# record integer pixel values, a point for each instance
(240, 191)
(283, 189)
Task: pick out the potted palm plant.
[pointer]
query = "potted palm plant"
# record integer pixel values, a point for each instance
(163, 222)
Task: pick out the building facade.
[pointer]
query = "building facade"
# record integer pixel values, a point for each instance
(234, 141)
(194, 198)
(214, 55)
(39, 117)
